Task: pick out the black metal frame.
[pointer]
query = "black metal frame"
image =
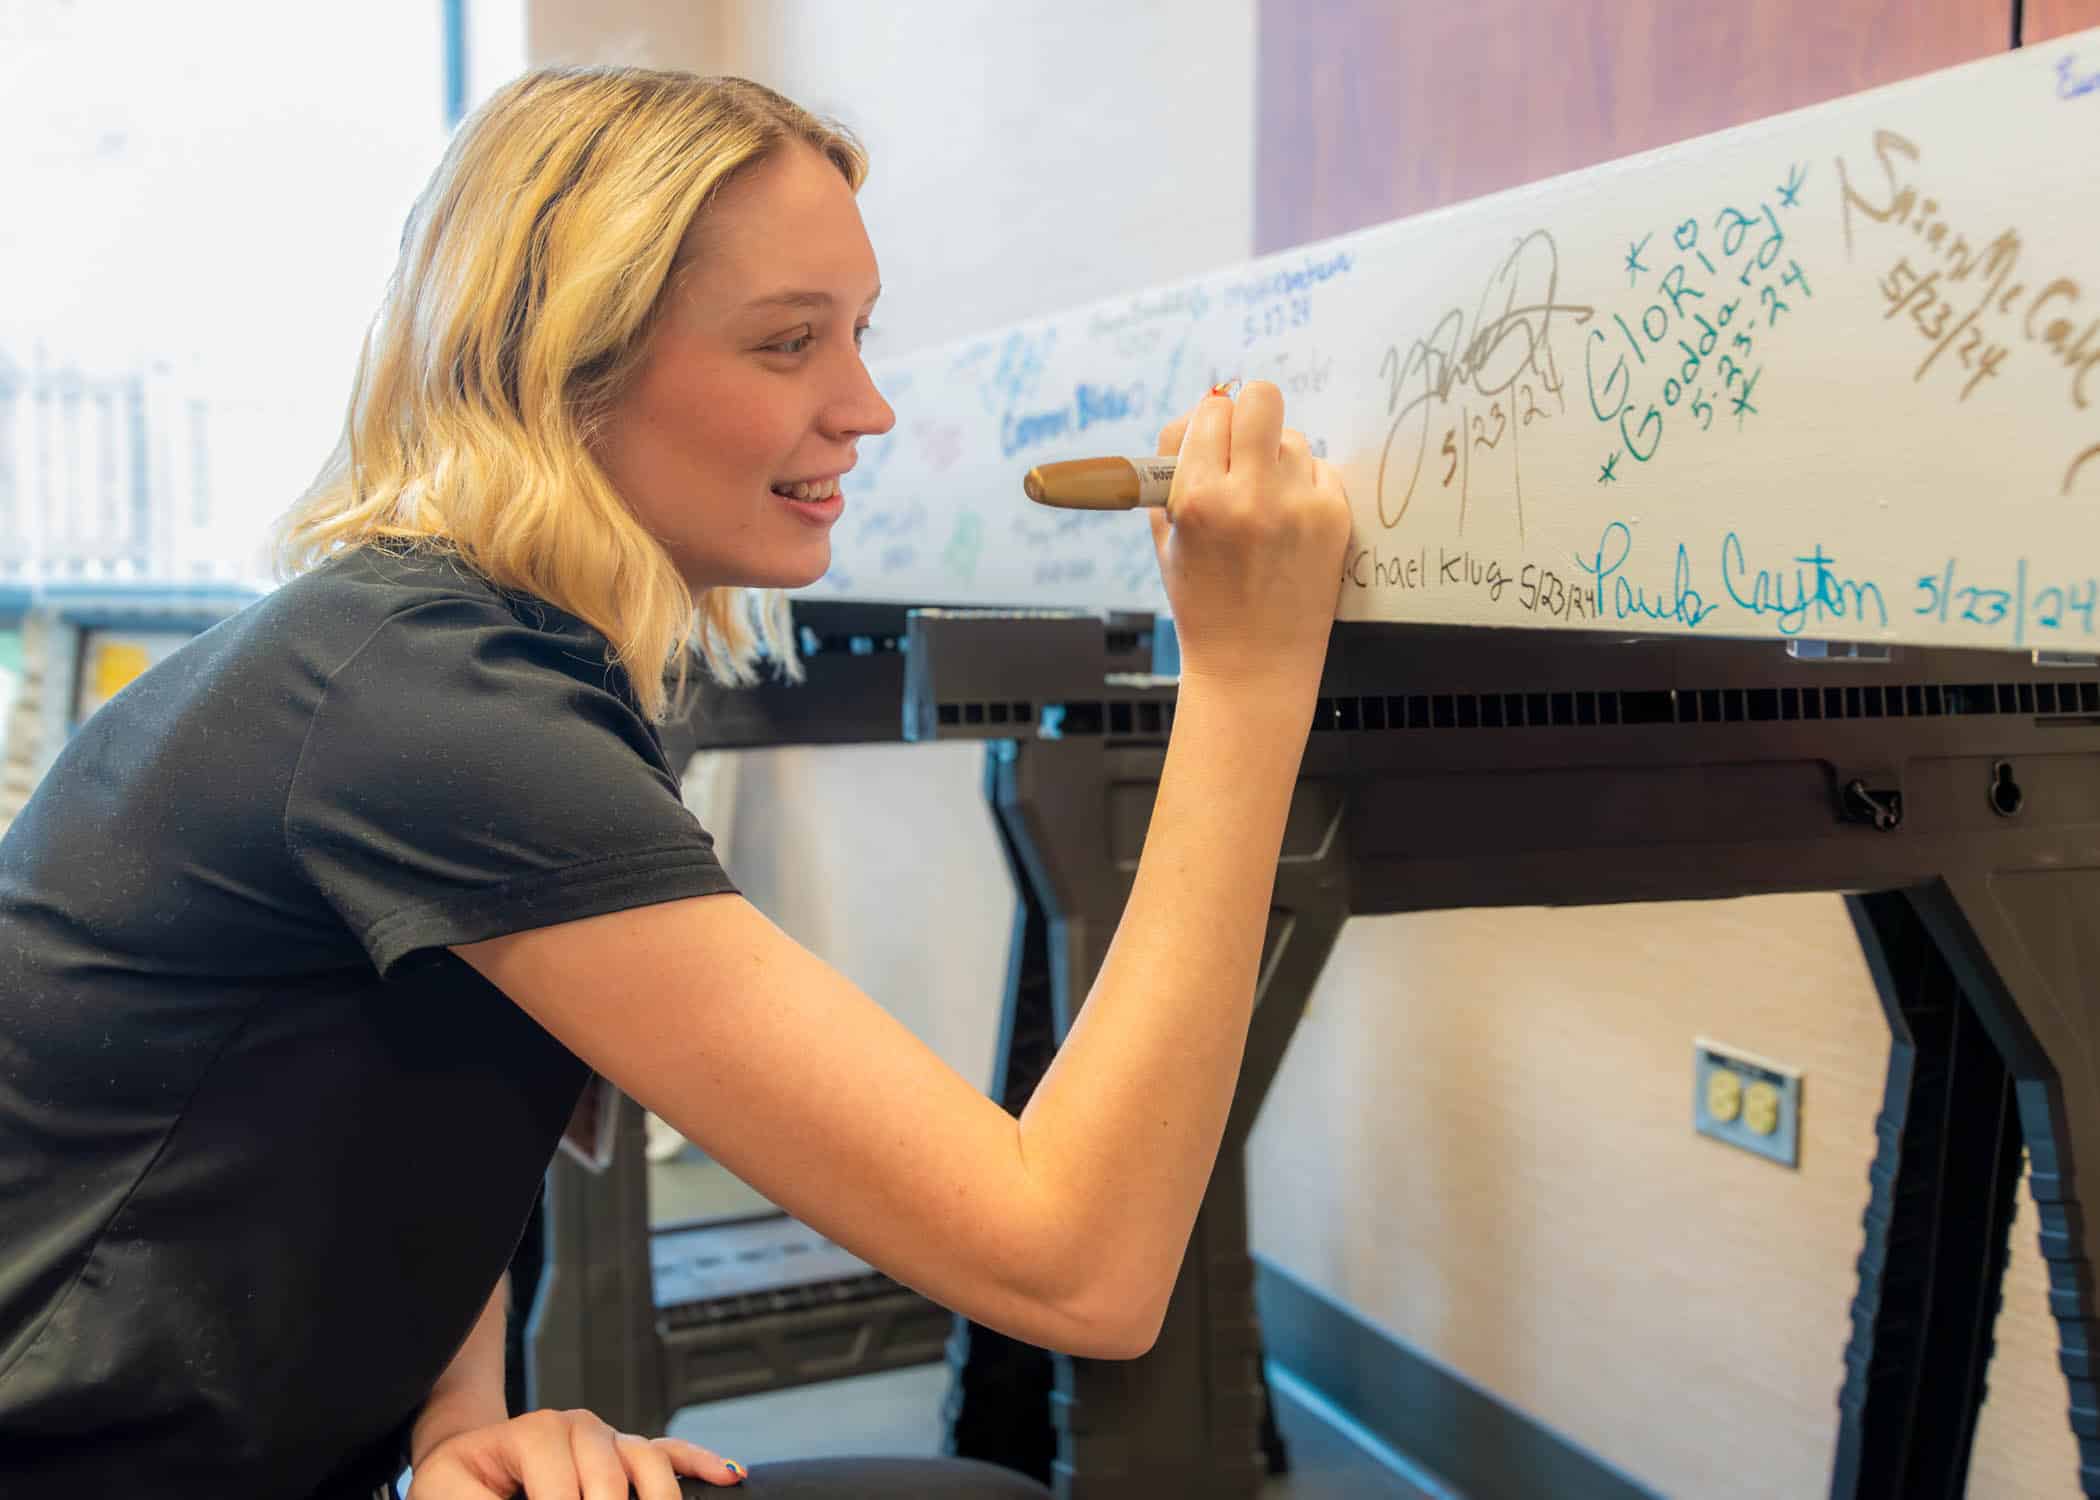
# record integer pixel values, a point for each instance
(1952, 795)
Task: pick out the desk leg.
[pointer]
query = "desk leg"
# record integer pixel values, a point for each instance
(1937, 1225)
(1185, 1419)
(1005, 1395)
(1192, 1417)
(2026, 947)
(592, 1340)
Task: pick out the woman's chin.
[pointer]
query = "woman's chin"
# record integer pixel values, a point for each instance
(800, 578)
(774, 574)
(783, 579)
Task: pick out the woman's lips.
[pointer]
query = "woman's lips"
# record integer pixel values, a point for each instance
(815, 512)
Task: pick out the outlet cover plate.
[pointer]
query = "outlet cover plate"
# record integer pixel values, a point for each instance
(1783, 1145)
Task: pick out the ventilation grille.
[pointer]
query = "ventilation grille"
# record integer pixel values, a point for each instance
(1911, 700)
(1151, 717)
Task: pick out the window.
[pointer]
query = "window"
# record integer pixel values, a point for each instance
(203, 205)
(205, 202)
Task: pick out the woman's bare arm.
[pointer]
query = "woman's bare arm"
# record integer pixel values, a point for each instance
(470, 1392)
(1065, 1228)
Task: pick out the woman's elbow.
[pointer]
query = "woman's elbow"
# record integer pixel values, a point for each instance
(1132, 1343)
(1122, 1328)
(1093, 1305)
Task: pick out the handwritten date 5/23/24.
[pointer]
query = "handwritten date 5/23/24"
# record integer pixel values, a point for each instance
(2027, 607)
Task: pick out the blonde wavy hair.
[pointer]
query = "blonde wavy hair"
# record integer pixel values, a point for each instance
(531, 273)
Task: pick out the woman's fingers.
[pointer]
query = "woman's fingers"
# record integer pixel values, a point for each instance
(1200, 444)
(1231, 455)
(1297, 456)
(650, 1469)
(1251, 543)
(696, 1461)
(1257, 427)
(542, 1446)
(600, 1474)
(1205, 446)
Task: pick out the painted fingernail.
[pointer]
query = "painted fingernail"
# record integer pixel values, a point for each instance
(733, 1467)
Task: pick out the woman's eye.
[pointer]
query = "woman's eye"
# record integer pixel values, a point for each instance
(796, 345)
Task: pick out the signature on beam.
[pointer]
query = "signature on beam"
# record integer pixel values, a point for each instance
(2071, 474)
(1507, 342)
(2068, 86)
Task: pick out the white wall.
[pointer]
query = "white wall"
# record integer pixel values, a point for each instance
(209, 198)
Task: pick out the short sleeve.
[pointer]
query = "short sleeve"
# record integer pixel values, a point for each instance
(465, 776)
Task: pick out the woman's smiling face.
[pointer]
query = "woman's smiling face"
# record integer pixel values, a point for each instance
(752, 377)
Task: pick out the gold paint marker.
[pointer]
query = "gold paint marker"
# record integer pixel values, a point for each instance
(1100, 483)
(1107, 483)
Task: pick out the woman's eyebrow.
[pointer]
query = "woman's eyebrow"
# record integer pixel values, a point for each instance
(802, 299)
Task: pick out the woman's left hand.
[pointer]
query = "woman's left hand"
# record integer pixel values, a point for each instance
(562, 1455)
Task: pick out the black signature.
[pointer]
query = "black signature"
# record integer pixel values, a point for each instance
(1509, 338)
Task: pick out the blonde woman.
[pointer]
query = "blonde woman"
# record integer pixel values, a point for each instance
(311, 937)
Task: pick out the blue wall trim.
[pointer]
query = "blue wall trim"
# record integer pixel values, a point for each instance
(1471, 1440)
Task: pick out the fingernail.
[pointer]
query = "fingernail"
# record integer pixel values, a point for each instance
(733, 1467)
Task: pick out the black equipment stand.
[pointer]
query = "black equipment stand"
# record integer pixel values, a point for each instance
(1952, 795)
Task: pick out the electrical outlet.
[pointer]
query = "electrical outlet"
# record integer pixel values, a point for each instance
(1747, 1101)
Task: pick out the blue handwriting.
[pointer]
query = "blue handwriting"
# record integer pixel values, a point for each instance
(2016, 604)
(1820, 591)
(1279, 283)
(1091, 406)
(1682, 603)
(1190, 302)
(1022, 361)
(1689, 350)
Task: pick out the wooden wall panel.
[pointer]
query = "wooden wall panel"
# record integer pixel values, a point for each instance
(2043, 19)
(1370, 111)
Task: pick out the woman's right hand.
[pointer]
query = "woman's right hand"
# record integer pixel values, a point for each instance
(1250, 542)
